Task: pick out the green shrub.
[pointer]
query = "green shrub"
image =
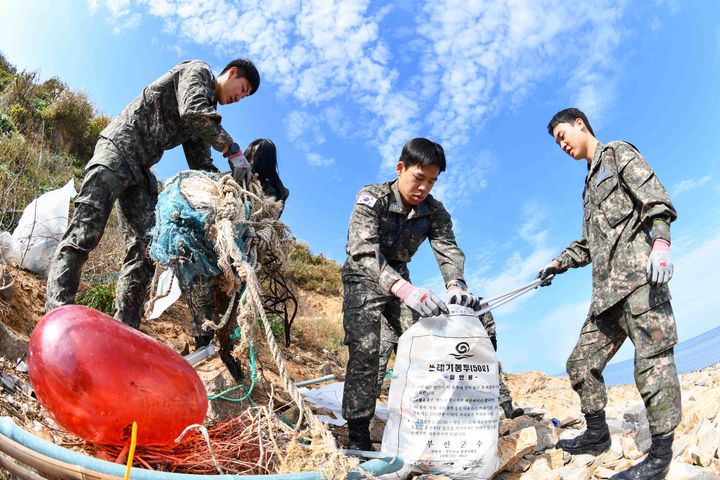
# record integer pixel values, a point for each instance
(101, 297)
(314, 272)
(6, 124)
(277, 325)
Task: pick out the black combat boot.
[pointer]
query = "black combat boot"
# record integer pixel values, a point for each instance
(595, 440)
(656, 465)
(359, 435)
(511, 412)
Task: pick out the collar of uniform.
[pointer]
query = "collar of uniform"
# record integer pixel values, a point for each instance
(596, 160)
(397, 205)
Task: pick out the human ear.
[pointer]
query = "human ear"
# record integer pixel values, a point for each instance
(400, 167)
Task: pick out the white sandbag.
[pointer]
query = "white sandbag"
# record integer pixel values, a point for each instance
(9, 249)
(443, 402)
(42, 225)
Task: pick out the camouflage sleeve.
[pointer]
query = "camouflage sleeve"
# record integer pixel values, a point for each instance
(450, 258)
(656, 209)
(195, 107)
(363, 246)
(197, 154)
(488, 322)
(577, 254)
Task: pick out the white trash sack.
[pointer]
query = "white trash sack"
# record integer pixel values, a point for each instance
(40, 229)
(443, 402)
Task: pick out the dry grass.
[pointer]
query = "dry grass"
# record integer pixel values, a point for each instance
(319, 324)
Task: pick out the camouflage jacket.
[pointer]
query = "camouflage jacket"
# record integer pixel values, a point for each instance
(625, 208)
(384, 235)
(178, 108)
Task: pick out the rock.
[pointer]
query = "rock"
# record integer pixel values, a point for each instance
(325, 369)
(514, 446)
(547, 436)
(570, 417)
(708, 439)
(705, 408)
(12, 345)
(679, 446)
(630, 450)
(635, 413)
(555, 458)
(569, 434)
(520, 466)
(683, 471)
(540, 470)
(616, 449)
(584, 460)
(602, 472)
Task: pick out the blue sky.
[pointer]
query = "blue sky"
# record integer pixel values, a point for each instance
(346, 83)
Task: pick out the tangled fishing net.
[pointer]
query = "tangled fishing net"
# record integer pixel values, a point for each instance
(208, 226)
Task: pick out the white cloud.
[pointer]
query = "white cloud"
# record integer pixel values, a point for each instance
(522, 264)
(472, 59)
(689, 184)
(485, 55)
(318, 161)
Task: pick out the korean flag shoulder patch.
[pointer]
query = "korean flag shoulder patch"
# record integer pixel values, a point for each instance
(366, 199)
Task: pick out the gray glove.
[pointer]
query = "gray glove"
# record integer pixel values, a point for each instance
(460, 296)
(424, 302)
(240, 168)
(659, 267)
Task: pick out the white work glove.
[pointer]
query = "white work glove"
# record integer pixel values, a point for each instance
(421, 300)
(548, 272)
(460, 296)
(240, 168)
(660, 267)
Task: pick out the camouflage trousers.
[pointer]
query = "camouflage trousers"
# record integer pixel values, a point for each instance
(106, 182)
(653, 332)
(364, 313)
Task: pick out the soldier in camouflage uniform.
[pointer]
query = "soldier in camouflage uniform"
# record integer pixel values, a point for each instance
(388, 224)
(179, 108)
(626, 236)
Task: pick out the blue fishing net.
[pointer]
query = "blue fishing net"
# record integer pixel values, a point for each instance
(179, 239)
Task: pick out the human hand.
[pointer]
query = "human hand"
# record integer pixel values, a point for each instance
(421, 300)
(548, 272)
(660, 267)
(240, 168)
(460, 296)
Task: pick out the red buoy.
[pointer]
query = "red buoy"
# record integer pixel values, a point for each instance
(95, 376)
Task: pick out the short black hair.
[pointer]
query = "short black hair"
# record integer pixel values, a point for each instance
(568, 116)
(246, 69)
(423, 152)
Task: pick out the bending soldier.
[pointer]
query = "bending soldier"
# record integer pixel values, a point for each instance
(179, 108)
(626, 236)
(388, 224)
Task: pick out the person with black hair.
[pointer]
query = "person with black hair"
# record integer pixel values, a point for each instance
(626, 236)
(262, 156)
(388, 224)
(179, 108)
